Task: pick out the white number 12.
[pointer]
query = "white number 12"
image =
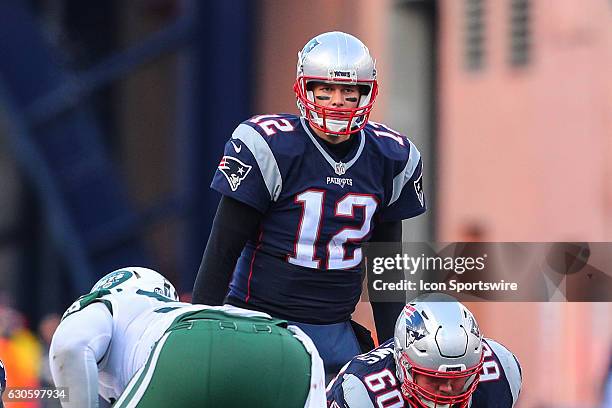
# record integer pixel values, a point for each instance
(312, 202)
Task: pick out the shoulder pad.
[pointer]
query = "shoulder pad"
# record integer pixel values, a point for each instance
(88, 299)
(263, 155)
(355, 392)
(392, 141)
(270, 125)
(393, 144)
(510, 365)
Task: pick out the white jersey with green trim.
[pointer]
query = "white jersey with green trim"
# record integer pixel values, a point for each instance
(127, 329)
(141, 327)
(106, 337)
(139, 320)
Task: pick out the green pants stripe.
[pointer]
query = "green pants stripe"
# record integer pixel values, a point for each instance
(138, 384)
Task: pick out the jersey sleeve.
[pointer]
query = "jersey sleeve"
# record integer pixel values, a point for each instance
(2, 378)
(511, 368)
(407, 196)
(248, 171)
(88, 299)
(80, 341)
(607, 393)
(367, 381)
(348, 391)
(500, 379)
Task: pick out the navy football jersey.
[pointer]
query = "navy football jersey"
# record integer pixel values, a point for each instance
(369, 380)
(2, 379)
(607, 391)
(304, 263)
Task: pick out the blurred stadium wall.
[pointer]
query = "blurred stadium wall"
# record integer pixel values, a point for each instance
(525, 154)
(510, 102)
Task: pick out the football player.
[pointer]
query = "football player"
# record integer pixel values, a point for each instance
(301, 194)
(607, 387)
(437, 358)
(131, 336)
(2, 382)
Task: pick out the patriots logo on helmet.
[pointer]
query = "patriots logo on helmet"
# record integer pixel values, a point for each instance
(474, 329)
(415, 325)
(234, 171)
(311, 44)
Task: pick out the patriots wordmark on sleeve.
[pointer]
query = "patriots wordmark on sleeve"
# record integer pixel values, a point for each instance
(234, 171)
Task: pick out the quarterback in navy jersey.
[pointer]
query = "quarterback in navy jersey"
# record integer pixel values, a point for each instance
(301, 194)
(437, 358)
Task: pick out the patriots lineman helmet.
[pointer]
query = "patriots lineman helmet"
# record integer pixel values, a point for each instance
(139, 278)
(437, 341)
(336, 58)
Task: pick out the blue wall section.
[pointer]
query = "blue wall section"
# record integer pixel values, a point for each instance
(84, 202)
(63, 157)
(217, 87)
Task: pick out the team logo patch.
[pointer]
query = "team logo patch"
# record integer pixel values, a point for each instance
(112, 280)
(415, 325)
(418, 188)
(234, 171)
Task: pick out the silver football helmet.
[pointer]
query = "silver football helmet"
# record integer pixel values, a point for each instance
(437, 340)
(336, 58)
(139, 278)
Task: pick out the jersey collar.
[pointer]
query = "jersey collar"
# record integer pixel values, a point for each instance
(339, 167)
